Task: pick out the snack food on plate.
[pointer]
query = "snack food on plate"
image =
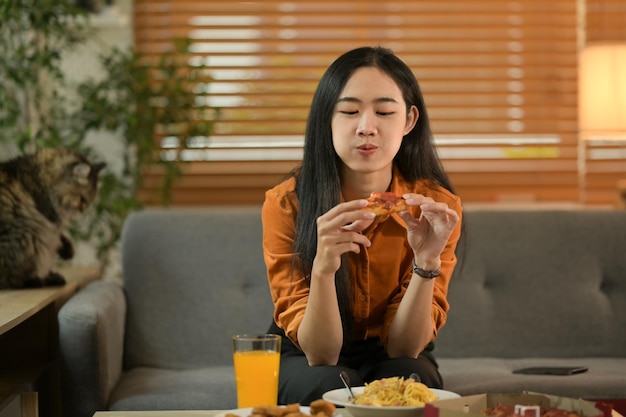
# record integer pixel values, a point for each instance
(323, 407)
(395, 392)
(318, 408)
(385, 203)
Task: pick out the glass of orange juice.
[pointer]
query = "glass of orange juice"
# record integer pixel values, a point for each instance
(257, 364)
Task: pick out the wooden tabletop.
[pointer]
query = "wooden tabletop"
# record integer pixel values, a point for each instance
(173, 413)
(29, 338)
(177, 413)
(189, 413)
(18, 305)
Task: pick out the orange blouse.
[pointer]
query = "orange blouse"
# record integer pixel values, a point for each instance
(379, 274)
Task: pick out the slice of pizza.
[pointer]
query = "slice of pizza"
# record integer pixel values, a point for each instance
(385, 203)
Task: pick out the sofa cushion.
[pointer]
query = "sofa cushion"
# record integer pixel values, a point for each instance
(195, 272)
(538, 284)
(605, 379)
(168, 389)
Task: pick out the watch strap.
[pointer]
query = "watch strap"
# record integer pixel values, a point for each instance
(424, 273)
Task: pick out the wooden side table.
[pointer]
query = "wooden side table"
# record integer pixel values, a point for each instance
(29, 344)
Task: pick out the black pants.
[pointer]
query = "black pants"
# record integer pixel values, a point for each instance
(367, 361)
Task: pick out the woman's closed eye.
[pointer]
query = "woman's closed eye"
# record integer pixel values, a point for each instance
(353, 112)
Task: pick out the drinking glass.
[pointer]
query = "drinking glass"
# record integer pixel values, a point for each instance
(257, 364)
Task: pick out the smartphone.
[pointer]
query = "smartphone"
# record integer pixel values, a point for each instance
(551, 370)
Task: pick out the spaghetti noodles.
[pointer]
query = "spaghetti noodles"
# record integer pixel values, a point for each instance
(395, 392)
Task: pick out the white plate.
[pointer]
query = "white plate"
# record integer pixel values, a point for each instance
(245, 412)
(340, 397)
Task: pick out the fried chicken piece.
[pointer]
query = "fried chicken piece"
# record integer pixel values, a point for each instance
(274, 410)
(291, 408)
(322, 406)
(295, 414)
(259, 410)
(319, 408)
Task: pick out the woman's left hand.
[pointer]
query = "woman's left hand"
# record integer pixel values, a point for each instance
(428, 234)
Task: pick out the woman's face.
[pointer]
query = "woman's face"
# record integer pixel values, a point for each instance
(369, 121)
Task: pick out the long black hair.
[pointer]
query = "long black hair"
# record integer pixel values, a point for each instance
(318, 178)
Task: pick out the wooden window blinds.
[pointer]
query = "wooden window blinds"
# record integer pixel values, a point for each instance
(499, 79)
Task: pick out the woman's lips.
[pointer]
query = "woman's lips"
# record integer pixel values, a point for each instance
(367, 149)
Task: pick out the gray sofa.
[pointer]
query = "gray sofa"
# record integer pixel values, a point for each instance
(538, 288)
(535, 287)
(191, 280)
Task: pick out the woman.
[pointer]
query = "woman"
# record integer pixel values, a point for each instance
(352, 291)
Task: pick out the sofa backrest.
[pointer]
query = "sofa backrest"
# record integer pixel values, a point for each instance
(193, 278)
(538, 284)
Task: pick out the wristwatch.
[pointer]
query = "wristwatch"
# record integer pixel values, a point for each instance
(424, 273)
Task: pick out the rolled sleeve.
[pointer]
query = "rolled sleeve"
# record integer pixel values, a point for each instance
(287, 285)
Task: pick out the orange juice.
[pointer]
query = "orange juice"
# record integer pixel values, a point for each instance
(256, 373)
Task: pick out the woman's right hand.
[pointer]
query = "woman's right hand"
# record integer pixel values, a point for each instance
(339, 231)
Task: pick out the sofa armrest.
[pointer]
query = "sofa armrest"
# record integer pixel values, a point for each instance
(91, 343)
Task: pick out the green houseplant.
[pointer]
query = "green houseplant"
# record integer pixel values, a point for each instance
(33, 37)
(141, 100)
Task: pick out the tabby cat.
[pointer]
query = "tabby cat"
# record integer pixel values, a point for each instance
(39, 193)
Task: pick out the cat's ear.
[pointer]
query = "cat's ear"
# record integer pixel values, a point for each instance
(98, 167)
(81, 172)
